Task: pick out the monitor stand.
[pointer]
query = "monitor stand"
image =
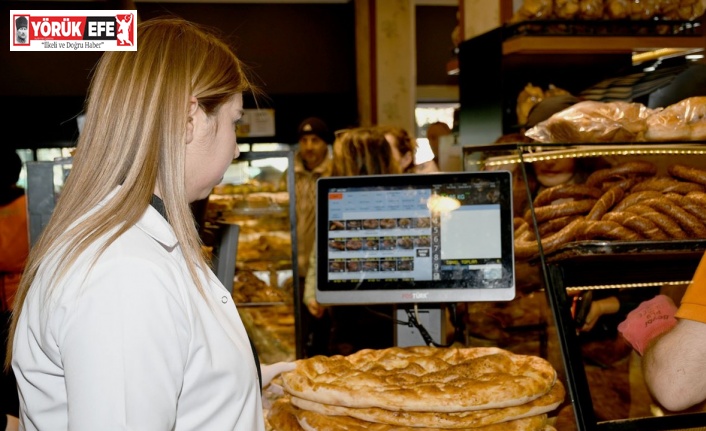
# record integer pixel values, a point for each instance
(431, 317)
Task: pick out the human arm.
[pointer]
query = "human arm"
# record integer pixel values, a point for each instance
(310, 301)
(12, 424)
(598, 308)
(673, 366)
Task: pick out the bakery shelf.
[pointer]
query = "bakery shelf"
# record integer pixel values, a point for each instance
(589, 45)
(616, 36)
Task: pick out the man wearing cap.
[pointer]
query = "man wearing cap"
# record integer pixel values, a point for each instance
(311, 162)
(21, 25)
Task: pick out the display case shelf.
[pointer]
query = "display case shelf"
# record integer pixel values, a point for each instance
(258, 197)
(601, 264)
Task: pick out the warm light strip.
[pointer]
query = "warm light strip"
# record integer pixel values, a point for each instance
(628, 286)
(590, 153)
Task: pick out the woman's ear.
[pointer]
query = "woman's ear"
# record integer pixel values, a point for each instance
(193, 108)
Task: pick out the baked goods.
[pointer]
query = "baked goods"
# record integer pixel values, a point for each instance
(583, 10)
(422, 379)
(419, 388)
(605, 203)
(634, 205)
(622, 171)
(635, 222)
(681, 121)
(455, 420)
(591, 121)
(604, 229)
(667, 185)
(562, 209)
(688, 173)
(526, 246)
(285, 417)
(563, 191)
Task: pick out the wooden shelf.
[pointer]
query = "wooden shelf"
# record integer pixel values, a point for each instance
(597, 44)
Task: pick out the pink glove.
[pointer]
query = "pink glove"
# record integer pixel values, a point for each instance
(649, 320)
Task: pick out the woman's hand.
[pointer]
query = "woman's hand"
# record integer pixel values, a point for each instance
(13, 423)
(271, 371)
(316, 309)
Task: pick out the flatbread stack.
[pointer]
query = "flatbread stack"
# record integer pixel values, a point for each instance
(419, 389)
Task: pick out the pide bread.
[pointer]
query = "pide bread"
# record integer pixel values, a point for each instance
(427, 379)
(456, 420)
(418, 389)
(285, 417)
(311, 421)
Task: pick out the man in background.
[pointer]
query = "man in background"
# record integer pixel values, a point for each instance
(311, 162)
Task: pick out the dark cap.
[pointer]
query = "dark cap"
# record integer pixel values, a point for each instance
(548, 107)
(315, 126)
(21, 22)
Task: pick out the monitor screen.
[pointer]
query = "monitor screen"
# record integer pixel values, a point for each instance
(416, 238)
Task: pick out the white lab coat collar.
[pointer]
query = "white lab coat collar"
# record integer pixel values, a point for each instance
(152, 223)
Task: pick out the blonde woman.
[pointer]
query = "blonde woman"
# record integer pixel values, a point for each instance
(119, 322)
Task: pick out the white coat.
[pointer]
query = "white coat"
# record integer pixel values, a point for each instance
(133, 345)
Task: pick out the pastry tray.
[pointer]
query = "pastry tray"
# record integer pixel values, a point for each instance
(622, 264)
(617, 27)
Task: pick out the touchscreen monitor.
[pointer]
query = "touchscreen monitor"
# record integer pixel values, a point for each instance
(415, 238)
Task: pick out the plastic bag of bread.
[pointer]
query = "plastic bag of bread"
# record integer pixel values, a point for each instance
(681, 121)
(590, 121)
(533, 9)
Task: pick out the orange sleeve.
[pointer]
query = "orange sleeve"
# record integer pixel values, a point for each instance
(693, 304)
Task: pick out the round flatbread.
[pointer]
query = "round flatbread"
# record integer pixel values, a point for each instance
(310, 421)
(456, 420)
(424, 379)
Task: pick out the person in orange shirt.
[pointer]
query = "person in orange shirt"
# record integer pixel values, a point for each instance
(14, 248)
(14, 234)
(671, 342)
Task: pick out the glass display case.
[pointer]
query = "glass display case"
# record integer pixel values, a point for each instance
(45, 180)
(631, 228)
(257, 196)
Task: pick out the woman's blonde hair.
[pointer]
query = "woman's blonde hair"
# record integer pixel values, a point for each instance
(137, 113)
(363, 151)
